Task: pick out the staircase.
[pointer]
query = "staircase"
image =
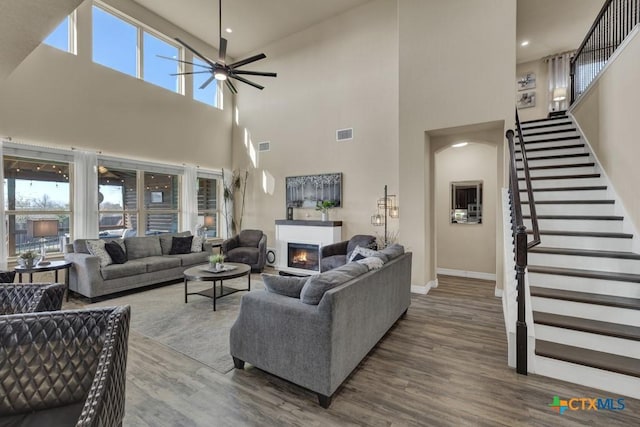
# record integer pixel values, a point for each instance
(584, 279)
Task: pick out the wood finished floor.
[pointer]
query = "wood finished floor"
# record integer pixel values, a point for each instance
(442, 365)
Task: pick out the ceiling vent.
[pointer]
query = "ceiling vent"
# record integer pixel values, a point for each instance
(344, 134)
(264, 146)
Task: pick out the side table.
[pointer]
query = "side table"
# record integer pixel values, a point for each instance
(53, 266)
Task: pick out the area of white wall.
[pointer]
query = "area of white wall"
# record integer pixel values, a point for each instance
(541, 109)
(340, 73)
(607, 114)
(466, 247)
(457, 67)
(59, 99)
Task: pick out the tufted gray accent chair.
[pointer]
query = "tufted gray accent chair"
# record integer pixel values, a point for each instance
(247, 247)
(30, 298)
(64, 368)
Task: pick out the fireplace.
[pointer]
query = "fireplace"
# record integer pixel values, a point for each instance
(303, 256)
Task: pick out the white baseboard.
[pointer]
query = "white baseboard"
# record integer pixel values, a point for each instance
(423, 290)
(469, 274)
(498, 292)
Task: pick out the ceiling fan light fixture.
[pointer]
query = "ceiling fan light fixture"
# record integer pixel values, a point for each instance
(220, 75)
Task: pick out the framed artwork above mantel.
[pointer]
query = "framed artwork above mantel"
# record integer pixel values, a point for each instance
(307, 190)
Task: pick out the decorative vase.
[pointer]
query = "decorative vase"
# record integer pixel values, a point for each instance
(325, 215)
(219, 266)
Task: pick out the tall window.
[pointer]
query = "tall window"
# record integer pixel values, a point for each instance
(118, 202)
(63, 37)
(208, 206)
(36, 192)
(209, 95)
(161, 203)
(127, 47)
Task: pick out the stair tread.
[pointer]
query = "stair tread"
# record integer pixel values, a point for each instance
(591, 188)
(596, 359)
(576, 176)
(571, 165)
(546, 132)
(587, 325)
(562, 147)
(584, 234)
(571, 202)
(546, 119)
(557, 156)
(586, 252)
(561, 138)
(585, 297)
(548, 125)
(579, 217)
(587, 274)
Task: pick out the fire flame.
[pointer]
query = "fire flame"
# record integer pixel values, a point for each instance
(300, 257)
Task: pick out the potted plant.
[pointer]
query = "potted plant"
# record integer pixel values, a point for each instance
(28, 259)
(215, 262)
(324, 206)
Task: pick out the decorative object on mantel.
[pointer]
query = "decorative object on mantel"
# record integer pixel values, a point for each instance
(386, 207)
(290, 213)
(324, 206)
(308, 190)
(231, 186)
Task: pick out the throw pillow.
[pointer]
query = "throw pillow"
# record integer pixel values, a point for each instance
(288, 286)
(393, 251)
(366, 252)
(181, 245)
(96, 248)
(372, 262)
(196, 244)
(318, 284)
(115, 251)
(358, 257)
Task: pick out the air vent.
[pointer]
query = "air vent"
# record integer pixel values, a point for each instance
(344, 134)
(264, 146)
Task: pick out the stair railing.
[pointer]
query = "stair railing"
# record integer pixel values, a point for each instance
(520, 239)
(614, 22)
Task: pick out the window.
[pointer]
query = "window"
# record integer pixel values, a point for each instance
(126, 46)
(161, 203)
(118, 202)
(36, 191)
(63, 37)
(208, 206)
(210, 94)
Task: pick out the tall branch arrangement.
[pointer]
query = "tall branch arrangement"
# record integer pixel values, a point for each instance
(237, 183)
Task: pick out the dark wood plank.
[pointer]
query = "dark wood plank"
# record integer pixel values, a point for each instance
(587, 325)
(589, 274)
(585, 297)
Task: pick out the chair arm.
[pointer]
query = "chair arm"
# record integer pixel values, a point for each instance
(262, 252)
(30, 298)
(229, 244)
(339, 248)
(84, 276)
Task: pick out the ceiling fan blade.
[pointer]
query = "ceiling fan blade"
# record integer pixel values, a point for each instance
(231, 87)
(208, 81)
(255, 73)
(223, 49)
(198, 54)
(249, 60)
(184, 62)
(190, 72)
(249, 82)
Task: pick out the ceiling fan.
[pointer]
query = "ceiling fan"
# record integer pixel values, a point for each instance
(219, 69)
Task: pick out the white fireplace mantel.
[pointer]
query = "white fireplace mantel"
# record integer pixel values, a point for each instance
(319, 233)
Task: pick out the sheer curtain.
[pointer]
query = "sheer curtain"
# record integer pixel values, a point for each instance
(190, 199)
(3, 228)
(558, 72)
(85, 197)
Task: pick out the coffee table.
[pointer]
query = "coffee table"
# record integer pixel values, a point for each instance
(200, 273)
(52, 266)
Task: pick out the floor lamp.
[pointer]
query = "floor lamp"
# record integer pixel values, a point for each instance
(387, 207)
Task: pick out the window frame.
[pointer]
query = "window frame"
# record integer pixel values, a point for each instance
(72, 34)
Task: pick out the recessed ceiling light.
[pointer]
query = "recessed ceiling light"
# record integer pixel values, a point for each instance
(459, 144)
(229, 30)
(525, 43)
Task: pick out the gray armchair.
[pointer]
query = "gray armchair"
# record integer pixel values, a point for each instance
(30, 298)
(248, 247)
(334, 255)
(64, 368)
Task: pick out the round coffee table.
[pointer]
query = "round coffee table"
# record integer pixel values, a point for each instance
(41, 268)
(203, 274)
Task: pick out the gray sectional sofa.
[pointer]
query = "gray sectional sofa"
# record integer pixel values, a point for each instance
(281, 331)
(148, 263)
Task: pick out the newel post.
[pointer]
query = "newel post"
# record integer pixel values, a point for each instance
(521, 324)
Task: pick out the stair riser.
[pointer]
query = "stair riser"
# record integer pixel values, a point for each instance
(597, 342)
(564, 209)
(584, 284)
(586, 263)
(554, 144)
(580, 242)
(577, 170)
(576, 225)
(568, 182)
(565, 195)
(590, 377)
(562, 126)
(528, 137)
(555, 152)
(602, 313)
(555, 162)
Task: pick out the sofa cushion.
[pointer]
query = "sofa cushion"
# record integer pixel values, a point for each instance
(288, 286)
(158, 263)
(80, 246)
(142, 247)
(167, 239)
(333, 261)
(372, 262)
(96, 248)
(129, 268)
(196, 244)
(393, 251)
(244, 255)
(181, 245)
(116, 252)
(249, 238)
(191, 259)
(318, 284)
